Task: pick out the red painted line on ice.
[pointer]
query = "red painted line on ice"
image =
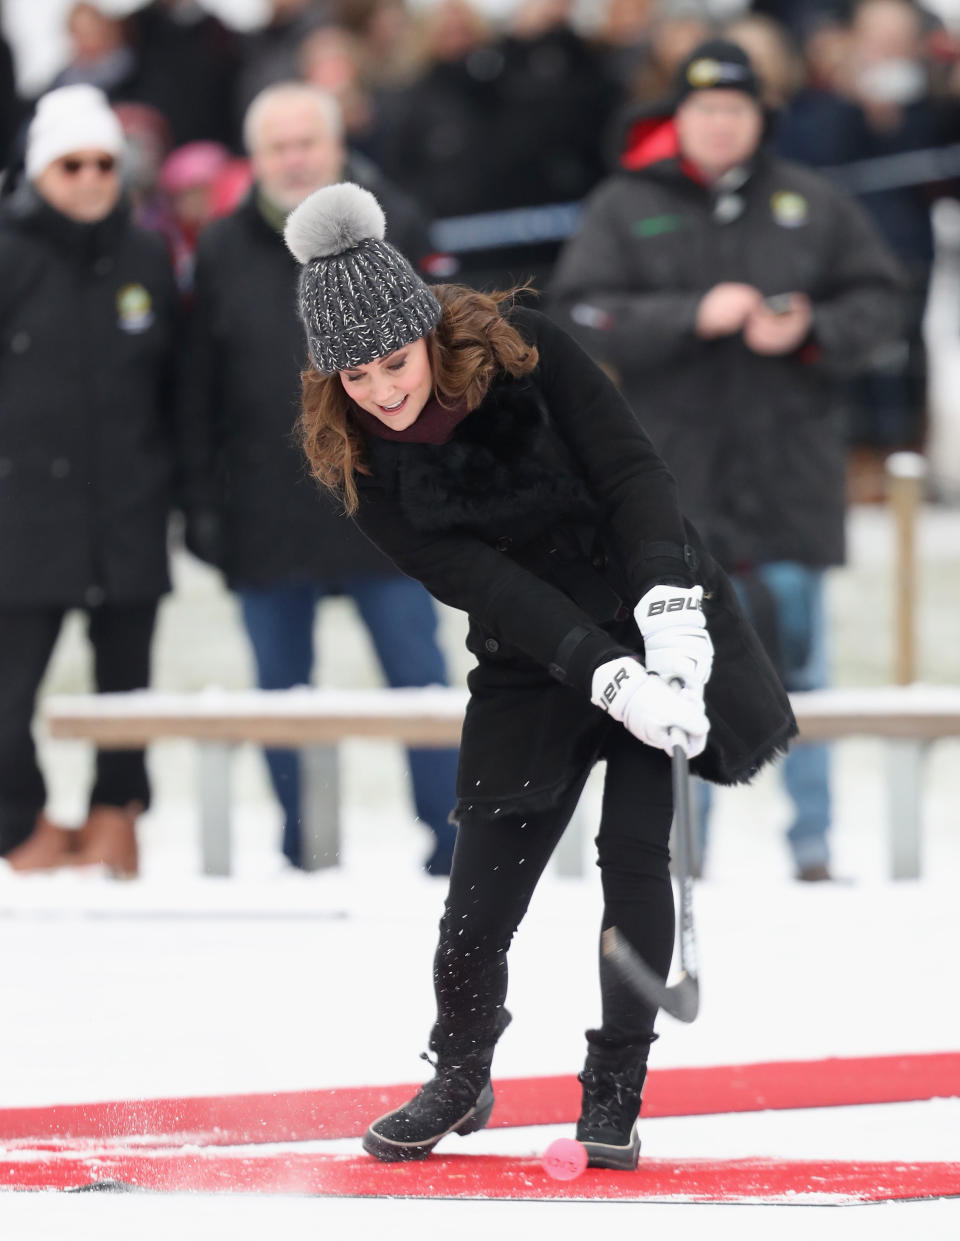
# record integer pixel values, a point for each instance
(344, 1112)
(489, 1177)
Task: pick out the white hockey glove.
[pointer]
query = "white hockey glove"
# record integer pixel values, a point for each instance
(675, 636)
(649, 708)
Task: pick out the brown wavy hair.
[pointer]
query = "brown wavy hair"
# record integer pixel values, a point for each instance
(469, 347)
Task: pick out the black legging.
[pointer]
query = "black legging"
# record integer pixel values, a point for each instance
(497, 864)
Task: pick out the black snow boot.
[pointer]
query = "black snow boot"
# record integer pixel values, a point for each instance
(612, 1081)
(458, 1099)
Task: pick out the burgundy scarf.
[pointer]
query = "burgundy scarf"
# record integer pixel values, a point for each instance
(434, 425)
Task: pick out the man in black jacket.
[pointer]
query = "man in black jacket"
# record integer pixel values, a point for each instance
(729, 291)
(253, 509)
(87, 324)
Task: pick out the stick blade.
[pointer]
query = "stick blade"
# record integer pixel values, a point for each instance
(681, 1000)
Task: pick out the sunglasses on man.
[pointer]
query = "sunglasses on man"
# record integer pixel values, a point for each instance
(73, 166)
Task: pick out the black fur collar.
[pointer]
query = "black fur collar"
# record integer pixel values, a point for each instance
(504, 471)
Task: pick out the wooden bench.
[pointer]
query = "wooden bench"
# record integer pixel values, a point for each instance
(315, 721)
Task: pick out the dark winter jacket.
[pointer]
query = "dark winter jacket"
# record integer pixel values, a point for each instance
(242, 402)
(438, 133)
(510, 125)
(87, 342)
(186, 69)
(546, 517)
(756, 443)
(820, 128)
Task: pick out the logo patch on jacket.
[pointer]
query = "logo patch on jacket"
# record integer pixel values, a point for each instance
(134, 309)
(790, 210)
(654, 225)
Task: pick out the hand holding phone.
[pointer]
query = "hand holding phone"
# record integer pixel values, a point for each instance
(779, 325)
(779, 303)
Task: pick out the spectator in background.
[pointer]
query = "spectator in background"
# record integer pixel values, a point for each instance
(728, 290)
(880, 105)
(439, 131)
(88, 305)
(176, 193)
(230, 187)
(799, 17)
(623, 36)
(495, 124)
(772, 54)
(168, 55)
(187, 180)
(557, 97)
(333, 59)
(673, 36)
(253, 510)
(826, 54)
(388, 33)
(147, 143)
(100, 52)
(187, 68)
(272, 52)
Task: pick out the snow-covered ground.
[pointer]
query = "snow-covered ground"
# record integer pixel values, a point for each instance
(272, 980)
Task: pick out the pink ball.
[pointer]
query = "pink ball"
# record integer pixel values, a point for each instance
(564, 1159)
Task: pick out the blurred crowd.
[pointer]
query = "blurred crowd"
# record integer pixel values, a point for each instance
(467, 116)
(483, 140)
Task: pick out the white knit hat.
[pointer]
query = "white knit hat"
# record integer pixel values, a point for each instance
(70, 119)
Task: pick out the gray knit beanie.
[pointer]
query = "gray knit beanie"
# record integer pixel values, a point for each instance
(359, 298)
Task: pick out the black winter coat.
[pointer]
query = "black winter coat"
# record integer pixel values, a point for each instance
(757, 443)
(87, 343)
(187, 71)
(546, 517)
(509, 125)
(242, 402)
(819, 128)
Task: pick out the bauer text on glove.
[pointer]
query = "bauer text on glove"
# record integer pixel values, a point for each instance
(649, 708)
(675, 637)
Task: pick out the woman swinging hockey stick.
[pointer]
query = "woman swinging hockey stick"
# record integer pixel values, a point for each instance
(477, 445)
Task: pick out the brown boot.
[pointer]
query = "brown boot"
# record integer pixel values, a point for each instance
(46, 848)
(109, 838)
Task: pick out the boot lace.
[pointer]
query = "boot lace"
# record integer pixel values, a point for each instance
(448, 1088)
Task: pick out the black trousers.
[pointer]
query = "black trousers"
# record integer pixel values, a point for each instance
(121, 636)
(496, 866)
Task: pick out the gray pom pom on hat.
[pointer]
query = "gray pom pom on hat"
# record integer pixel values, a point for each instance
(359, 298)
(332, 220)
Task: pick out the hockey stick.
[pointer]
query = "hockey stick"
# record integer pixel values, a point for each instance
(682, 999)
